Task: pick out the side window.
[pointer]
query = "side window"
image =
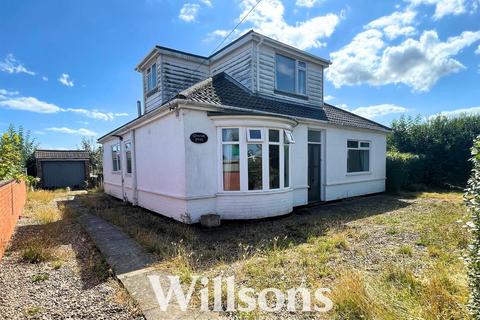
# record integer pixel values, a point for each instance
(358, 158)
(152, 77)
(116, 166)
(128, 156)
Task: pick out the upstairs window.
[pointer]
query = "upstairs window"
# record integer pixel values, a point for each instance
(128, 156)
(152, 77)
(358, 159)
(290, 75)
(116, 166)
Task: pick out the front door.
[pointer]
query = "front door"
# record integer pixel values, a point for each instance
(314, 172)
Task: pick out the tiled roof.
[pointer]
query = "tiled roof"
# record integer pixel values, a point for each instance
(222, 90)
(62, 154)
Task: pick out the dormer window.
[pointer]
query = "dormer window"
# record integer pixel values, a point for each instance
(152, 77)
(290, 75)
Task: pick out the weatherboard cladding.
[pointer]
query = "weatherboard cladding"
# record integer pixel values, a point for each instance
(222, 90)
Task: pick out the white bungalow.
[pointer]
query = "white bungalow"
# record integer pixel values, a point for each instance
(243, 133)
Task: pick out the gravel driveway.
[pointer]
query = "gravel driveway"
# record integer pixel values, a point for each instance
(77, 286)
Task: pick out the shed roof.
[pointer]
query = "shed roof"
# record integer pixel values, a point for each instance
(62, 154)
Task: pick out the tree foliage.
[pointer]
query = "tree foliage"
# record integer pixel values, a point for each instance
(11, 157)
(442, 142)
(95, 153)
(27, 144)
(472, 200)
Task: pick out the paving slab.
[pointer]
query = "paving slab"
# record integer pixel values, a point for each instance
(131, 264)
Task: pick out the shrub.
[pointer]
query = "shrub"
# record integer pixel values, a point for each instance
(404, 171)
(472, 200)
(445, 143)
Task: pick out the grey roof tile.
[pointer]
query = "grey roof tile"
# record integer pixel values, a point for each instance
(62, 154)
(222, 90)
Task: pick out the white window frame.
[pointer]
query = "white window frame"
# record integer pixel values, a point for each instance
(359, 147)
(129, 149)
(117, 158)
(240, 150)
(249, 139)
(295, 75)
(150, 79)
(243, 145)
(289, 139)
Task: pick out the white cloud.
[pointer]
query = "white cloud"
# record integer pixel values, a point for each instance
(29, 104)
(4, 93)
(208, 3)
(418, 64)
(44, 78)
(446, 7)
(11, 65)
(189, 12)
(81, 131)
(65, 80)
(478, 50)
(95, 114)
(307, 3)
(374, 111)
(268, 18)
(457, 112)
(9, 100)
(328, 98)
(399, 23)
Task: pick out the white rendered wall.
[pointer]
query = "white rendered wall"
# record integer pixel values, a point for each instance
(160, 166)
(181, 179)
(340, 184)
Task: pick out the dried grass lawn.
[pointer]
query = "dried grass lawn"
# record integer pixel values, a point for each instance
(384, 257)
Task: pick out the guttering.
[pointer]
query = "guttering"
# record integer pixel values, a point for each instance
(146, 118)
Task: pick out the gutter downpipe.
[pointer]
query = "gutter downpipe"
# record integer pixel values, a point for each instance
(258, 63)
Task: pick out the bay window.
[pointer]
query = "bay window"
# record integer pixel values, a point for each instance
(358, 158)
(255, 159)
(231, 159)
(274, 158)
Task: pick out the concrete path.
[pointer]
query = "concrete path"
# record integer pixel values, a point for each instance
(131, 265)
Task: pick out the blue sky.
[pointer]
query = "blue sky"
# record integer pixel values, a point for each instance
(67, 67)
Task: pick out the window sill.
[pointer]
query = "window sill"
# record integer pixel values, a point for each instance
(152, 92)
(128, 174)
(361, 173)
(291, 94)
(117, 172)
(253, 192)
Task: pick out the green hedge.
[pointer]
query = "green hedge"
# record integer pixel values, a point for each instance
(405, 171)
(472, 200)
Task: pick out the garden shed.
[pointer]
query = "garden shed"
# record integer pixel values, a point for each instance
(62, 168)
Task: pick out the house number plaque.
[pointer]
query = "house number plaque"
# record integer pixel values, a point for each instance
(198, 137)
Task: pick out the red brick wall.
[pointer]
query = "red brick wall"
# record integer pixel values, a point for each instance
(12, 200)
